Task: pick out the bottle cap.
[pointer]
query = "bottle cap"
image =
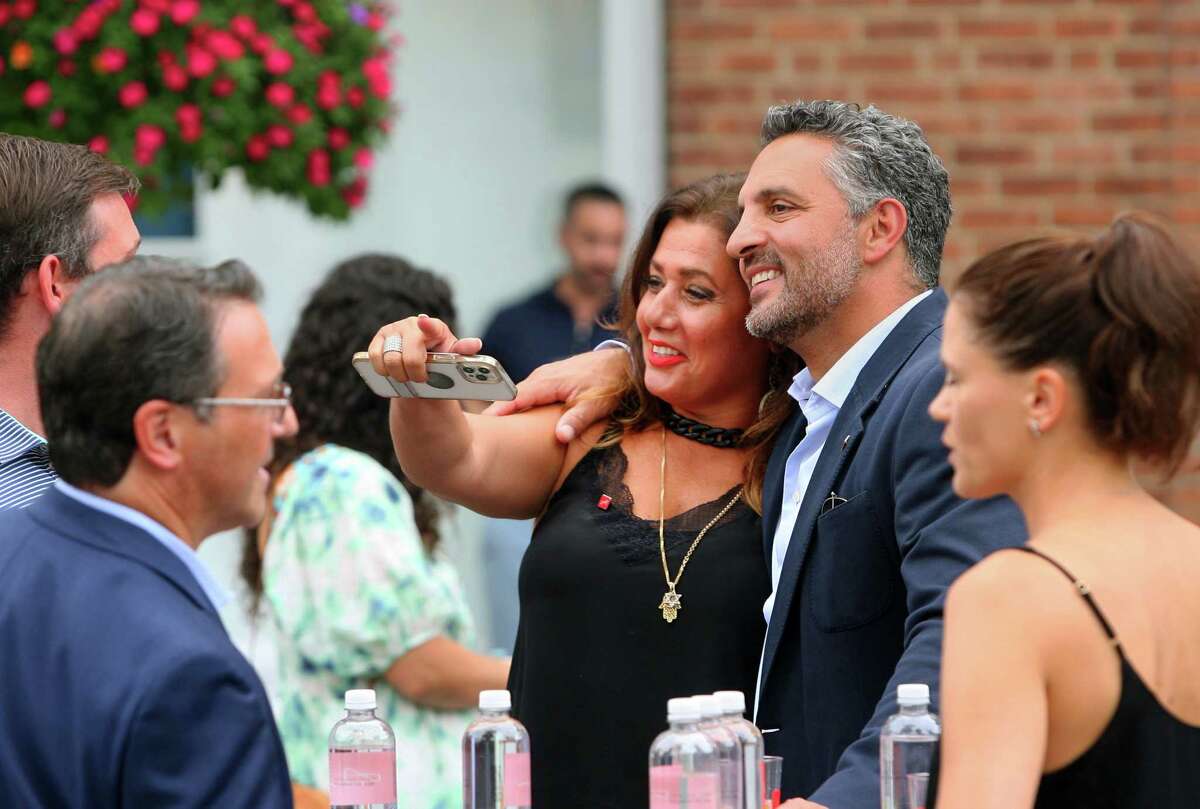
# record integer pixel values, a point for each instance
(499, 700)
(682, 709)
(707, 705)
(731, 701)
(360, 699)
(913, 694)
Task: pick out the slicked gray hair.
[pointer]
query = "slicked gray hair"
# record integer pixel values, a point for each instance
(877, 156)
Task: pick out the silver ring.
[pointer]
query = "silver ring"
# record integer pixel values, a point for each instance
(392, 343)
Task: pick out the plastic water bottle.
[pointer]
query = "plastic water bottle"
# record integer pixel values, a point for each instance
(907, 743)
(684, 768)
(729, 753)
(362, 757)
(496, 757)
(750, 746)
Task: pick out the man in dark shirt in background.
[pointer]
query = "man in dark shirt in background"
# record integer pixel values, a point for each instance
(562, 319)
(555, 322)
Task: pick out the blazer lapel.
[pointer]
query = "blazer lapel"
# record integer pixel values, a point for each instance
(790, 436)
(844, 436)
(68, 517)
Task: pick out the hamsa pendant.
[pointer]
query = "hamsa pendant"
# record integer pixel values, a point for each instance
(671, 602)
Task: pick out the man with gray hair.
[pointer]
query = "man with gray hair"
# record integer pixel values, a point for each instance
(845, 212)
(62, 217)
(162, 398)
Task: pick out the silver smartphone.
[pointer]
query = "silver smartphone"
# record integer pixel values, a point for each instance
(451, 376)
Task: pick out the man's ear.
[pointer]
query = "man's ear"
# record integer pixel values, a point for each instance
(157, 432)
(53, 286)
(885, 226)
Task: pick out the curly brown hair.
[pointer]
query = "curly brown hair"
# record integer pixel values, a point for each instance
(712, 201)
(332, 404)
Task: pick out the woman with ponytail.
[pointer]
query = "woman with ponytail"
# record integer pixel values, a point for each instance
(1071, 666)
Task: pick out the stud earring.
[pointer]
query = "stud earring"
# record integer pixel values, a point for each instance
(1035, 428)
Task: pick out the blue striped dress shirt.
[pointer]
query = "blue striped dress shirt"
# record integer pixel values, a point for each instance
(25, 470)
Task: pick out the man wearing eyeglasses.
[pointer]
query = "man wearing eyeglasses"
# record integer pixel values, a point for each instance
(161, 398)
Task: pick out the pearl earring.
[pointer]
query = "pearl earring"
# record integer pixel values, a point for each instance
(1035, 428)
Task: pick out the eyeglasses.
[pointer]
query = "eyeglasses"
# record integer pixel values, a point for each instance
(283, 400)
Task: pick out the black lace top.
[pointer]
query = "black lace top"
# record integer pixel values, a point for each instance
(595, 662)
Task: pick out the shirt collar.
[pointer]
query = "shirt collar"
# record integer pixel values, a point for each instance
(835, 386)
(15, 438)
(217, 595)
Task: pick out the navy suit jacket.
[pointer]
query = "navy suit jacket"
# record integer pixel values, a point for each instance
(119, 686)
(858, 607)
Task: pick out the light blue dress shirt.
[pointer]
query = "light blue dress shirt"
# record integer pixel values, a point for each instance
(217, 594)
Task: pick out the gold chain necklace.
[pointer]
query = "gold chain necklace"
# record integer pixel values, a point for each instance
(672, 602)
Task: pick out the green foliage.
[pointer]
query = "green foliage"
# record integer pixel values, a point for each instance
(324, 38)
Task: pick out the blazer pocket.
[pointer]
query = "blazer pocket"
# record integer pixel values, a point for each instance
(852, 580)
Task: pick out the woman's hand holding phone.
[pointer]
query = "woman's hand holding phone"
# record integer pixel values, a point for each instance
(419, 336)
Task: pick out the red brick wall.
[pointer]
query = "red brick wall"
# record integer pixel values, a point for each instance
(1048, 113)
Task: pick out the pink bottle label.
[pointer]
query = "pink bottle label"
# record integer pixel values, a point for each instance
(670, 788)
(362, 777)
(517, 789)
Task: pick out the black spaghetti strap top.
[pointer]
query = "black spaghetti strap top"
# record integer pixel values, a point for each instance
(1145, 757)
(595, 662)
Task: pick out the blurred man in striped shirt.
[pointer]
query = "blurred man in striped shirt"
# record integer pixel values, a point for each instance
(62, 216)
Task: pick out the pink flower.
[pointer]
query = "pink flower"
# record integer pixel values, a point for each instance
(1, 65)
(58, 118)
(224, 45)
(261, 43)
(223, 86)
(174, 77)
(257, 148)
(279, 136)
(132, 94)
(144, 22)
(280, 95)
(299, 114)
(364, 159)
(143, 157)
(200, 62)
(66, 67)
(304, 12)
(381, 86)
(98, 144)
(65, 41)
(188, 115)
(243, 26)
(87, 24)
(149, 136)
(355, 97)
(338, 138)
(355, 193)
(37, 94)
(375, 22)
(24, 9)
(318, 167)
(183, 11)
(278, 61)
(110, 60)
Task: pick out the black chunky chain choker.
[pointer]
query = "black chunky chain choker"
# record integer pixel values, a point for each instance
(703, 433)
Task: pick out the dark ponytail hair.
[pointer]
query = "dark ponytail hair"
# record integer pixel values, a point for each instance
(1121, 311)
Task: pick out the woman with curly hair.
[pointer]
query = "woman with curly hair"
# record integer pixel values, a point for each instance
(347, 561)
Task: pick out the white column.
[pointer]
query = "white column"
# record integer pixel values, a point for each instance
(633, 87)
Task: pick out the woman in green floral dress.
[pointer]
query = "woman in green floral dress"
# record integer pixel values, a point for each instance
(347, 563)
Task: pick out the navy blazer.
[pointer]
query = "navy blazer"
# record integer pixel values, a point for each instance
(858, 607)
(119, 686)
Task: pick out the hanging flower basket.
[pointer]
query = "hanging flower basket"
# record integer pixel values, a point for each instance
(295, 93)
